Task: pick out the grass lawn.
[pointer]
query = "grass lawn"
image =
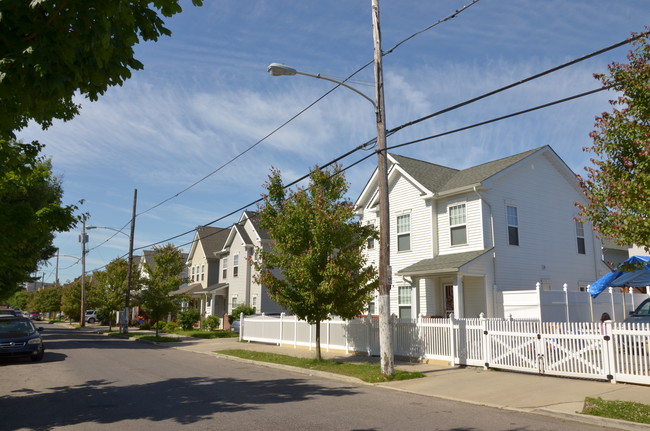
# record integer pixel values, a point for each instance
(367, 372)
(625, 410)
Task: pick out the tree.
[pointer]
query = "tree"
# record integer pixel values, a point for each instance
(19, 299)
(46, 300)
(315, 266)
(107, 295)
(70, 300)
(163, 277)
(617, 186)
(50, 49)
(30, 212)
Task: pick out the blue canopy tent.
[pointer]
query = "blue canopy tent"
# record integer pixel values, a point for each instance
(619, 278)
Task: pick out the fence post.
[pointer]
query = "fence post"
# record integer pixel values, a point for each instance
(538, 289)
(565, 287)
(611, 295)
(369, 332)
(591, 303)
(281, 327)
(609, 361)
(295, 331)
(486, 342)
(452, 341)
(241, 326)
(329, 321)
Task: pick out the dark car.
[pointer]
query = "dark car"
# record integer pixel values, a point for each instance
(641, 314)
(20, 338)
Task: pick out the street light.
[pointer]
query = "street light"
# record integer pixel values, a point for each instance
(106, 227)
(385, 333)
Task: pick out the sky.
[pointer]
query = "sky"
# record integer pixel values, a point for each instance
(198, 130)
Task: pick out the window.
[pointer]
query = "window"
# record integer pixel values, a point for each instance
(224, 268)
(254, 304)
(457, 224)
(404, 232)
(404, 301)
(233, 302)
(513, 225)
(202, 272)
(580, 237)
(235, 265)
(192, 273)
(371, 241)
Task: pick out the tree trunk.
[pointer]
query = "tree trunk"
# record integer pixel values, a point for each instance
(318, 355)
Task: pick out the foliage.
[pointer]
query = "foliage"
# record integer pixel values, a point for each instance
(212, 323)
(188, 318)
(71, 300)
(49, 50)
(19, 299)
(237, 311)
(623, 410)
(107, 294)
(45, 300)
(145, 326)
(364, 371)
(617, 186)
(317, 249)
(163, 277)
(170, 327)
(30, 212)
(209, 334)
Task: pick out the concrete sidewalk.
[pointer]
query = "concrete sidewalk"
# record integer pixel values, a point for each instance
(555, 396)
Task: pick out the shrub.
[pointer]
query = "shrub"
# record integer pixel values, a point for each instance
(242, 308)
(212, 323)
(159, 325)
(188, 318)
(145, 326)
(170, 327)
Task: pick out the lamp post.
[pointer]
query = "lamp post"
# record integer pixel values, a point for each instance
(385, 333)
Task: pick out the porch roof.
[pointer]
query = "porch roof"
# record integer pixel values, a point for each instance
(187, 290)
(216, 289)
(447, 263)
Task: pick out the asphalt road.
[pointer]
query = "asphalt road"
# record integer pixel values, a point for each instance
(90, 381)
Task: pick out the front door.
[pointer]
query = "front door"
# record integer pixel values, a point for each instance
(449, 299)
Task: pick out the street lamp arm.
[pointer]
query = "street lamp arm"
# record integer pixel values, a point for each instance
(106, 227)
(278, 69)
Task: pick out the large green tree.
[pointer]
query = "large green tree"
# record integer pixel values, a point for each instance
(108, 294)
(31, 211)
(46, 300)
(618, 184)
(162, 278)
(50, 50)
(315, 266)
(71, 300)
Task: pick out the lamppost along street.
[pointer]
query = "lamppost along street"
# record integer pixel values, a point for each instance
(385, 333)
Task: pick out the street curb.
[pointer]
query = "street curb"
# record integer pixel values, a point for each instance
(593, 420)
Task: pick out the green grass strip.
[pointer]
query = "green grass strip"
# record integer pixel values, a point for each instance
(367, 372)
(624, 410)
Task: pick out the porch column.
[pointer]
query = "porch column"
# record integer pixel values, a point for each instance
(459, 300)
(214, 305)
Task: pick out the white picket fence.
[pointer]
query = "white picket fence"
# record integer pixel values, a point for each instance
(611, 351)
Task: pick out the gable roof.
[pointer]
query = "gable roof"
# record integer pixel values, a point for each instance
(212, 238)
(446, 263)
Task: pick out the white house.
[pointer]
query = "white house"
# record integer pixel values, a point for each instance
(461, 237)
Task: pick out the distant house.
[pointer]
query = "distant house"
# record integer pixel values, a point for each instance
(220, 271)
(459, 238)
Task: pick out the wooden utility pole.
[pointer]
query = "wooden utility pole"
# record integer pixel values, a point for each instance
(129, 271)
(83, 239)
(385, 332)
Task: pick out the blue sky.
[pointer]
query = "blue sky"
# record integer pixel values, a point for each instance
(204, 97)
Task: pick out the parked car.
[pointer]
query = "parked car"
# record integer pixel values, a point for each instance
(641, 314)
(8, 312)
(20, 338)
(35, 315)
(236, 326)
(91, 316)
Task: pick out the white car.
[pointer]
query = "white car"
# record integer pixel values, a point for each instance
(91, 316)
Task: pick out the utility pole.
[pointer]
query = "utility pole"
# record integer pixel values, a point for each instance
(385, 332)
(129, 271)
(83, 239)
(56, 276)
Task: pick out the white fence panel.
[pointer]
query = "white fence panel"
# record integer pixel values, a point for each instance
(612, 351)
